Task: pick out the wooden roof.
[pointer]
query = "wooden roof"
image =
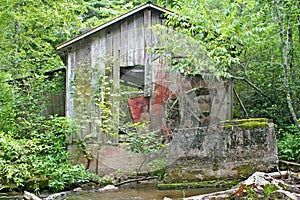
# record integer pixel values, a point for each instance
(117, 19)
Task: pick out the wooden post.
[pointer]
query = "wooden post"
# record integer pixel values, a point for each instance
(148, 41)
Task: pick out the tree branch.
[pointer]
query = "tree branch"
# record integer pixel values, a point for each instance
(135, 180)
(253, 86)
(289, 163)
(240, 102)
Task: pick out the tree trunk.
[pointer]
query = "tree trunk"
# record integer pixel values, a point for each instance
(285, 66)
(298, 20)
(16, 39)
(291, 49)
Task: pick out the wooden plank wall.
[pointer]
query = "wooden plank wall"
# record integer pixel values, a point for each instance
(222, 100)
(98, 68)
(124, 42)
(82, 94)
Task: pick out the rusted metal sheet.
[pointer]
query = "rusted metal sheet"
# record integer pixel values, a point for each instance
(160, 97)
(139, 107)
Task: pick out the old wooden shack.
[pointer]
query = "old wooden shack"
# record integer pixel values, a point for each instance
(110, 73)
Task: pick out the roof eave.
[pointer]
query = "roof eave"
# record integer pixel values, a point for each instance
(119, 18)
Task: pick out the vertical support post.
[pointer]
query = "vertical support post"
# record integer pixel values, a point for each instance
(148, 43)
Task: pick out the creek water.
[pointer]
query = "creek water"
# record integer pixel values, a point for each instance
(145, 191)
(140, 192)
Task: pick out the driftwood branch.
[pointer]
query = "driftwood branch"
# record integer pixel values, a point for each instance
(257, 182)
(31, 196)
(283, 174)
(289, 163)
(135, 180)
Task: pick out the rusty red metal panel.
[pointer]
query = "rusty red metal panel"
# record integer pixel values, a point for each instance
(161, 94)
(139, 107)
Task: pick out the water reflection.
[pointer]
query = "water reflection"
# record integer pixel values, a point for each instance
(140, 192)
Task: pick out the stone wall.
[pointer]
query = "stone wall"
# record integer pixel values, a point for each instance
(229, 151)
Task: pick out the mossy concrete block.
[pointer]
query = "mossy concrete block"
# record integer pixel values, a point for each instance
(233, 150)
(201, 184)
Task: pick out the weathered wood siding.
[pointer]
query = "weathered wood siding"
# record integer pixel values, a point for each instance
(123, 44)
(55, 104)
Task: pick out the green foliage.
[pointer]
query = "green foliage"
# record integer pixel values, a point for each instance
(187, 54)
(289, 143)
(161, 166)
(250, 193)
(7, 114)
(34, 153)
(223, 29)
(269, 189)
(108, 124)
(40, 160)
(240, 38)
(143, 141)
(100, 11)
(201, 184)
(31, 29)
(83, 148)
(139, 140)
(262, 66)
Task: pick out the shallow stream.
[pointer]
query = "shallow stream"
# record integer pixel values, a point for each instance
(140, 192)
(145, 191)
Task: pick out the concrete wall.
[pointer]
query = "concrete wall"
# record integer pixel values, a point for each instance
(203, 154)
(194, 154)
(115, 158)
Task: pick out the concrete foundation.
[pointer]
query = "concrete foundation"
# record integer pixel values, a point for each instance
(194, 154)
(232, 152)
(115, 159)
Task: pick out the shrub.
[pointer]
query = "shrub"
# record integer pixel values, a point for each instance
(40, 160)
(289, 143)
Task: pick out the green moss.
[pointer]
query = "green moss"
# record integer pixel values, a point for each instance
(177, 174)
(215, 167)
(202, 184)
(245, 123)
(244, 170)
(247, 120)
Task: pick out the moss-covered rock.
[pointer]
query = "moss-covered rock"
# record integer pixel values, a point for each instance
(245, 170)
(201, 184)
(245, 123)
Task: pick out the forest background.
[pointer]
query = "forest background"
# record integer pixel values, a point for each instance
(255, 41)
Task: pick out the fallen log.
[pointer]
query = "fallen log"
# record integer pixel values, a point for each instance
(56, 195)
(260, 185)
(283, 174)
(30, 196)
